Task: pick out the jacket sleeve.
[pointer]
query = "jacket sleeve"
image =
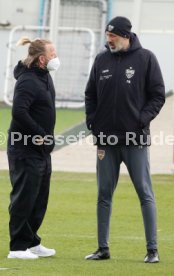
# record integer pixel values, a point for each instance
(155, 92)
(91, 97)
(24, 97)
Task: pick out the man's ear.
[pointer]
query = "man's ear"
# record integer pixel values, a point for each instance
(42, 60)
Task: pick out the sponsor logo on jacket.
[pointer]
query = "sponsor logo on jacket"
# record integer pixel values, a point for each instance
(105, 75)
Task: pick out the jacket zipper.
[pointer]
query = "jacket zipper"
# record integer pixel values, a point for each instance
(116, 90)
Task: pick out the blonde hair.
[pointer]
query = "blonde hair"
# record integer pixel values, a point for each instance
(35, 50)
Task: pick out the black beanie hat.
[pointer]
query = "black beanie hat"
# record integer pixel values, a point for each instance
(119, 25)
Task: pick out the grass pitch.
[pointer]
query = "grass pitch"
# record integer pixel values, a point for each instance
(70, 228)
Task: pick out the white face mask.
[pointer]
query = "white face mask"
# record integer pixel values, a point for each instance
(53, 64)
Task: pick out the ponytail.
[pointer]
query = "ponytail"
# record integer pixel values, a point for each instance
(23, 41)
(36, 48)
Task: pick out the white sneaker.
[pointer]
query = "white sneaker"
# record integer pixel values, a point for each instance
(21, 254)
(42, 251)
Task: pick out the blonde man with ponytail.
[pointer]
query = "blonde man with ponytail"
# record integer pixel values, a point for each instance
(31, 140)
(36, 52)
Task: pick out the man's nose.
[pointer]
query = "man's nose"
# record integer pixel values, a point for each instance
(110, 41)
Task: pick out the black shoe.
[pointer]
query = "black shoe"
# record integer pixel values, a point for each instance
(100, 254)
(152, 256)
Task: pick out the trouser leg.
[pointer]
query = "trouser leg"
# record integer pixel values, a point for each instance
(26, 179)
(137, 162)
(108, 166)
(40, 206)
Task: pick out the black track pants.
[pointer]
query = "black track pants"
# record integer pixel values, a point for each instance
(30, 179)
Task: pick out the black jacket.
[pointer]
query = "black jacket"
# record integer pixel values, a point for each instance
(124, 93)
(33, 111)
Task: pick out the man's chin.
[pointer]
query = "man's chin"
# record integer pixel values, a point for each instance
(113, 50)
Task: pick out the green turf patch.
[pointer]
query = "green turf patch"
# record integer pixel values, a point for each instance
(70, 227)
(66, 118)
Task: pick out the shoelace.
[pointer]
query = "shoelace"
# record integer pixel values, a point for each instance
(97, 251)
(152, 253)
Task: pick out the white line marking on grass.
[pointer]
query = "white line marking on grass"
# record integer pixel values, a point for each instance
(128, 238)
(5, 268)
(92, 237)
(165, 238)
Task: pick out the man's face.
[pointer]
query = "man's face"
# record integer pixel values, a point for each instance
(115, 42)
(50, 53)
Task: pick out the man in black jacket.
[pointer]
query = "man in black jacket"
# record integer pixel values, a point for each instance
(124, 93)
(29, 146)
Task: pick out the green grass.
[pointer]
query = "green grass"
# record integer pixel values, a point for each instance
(70, 227)
(66, 118)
